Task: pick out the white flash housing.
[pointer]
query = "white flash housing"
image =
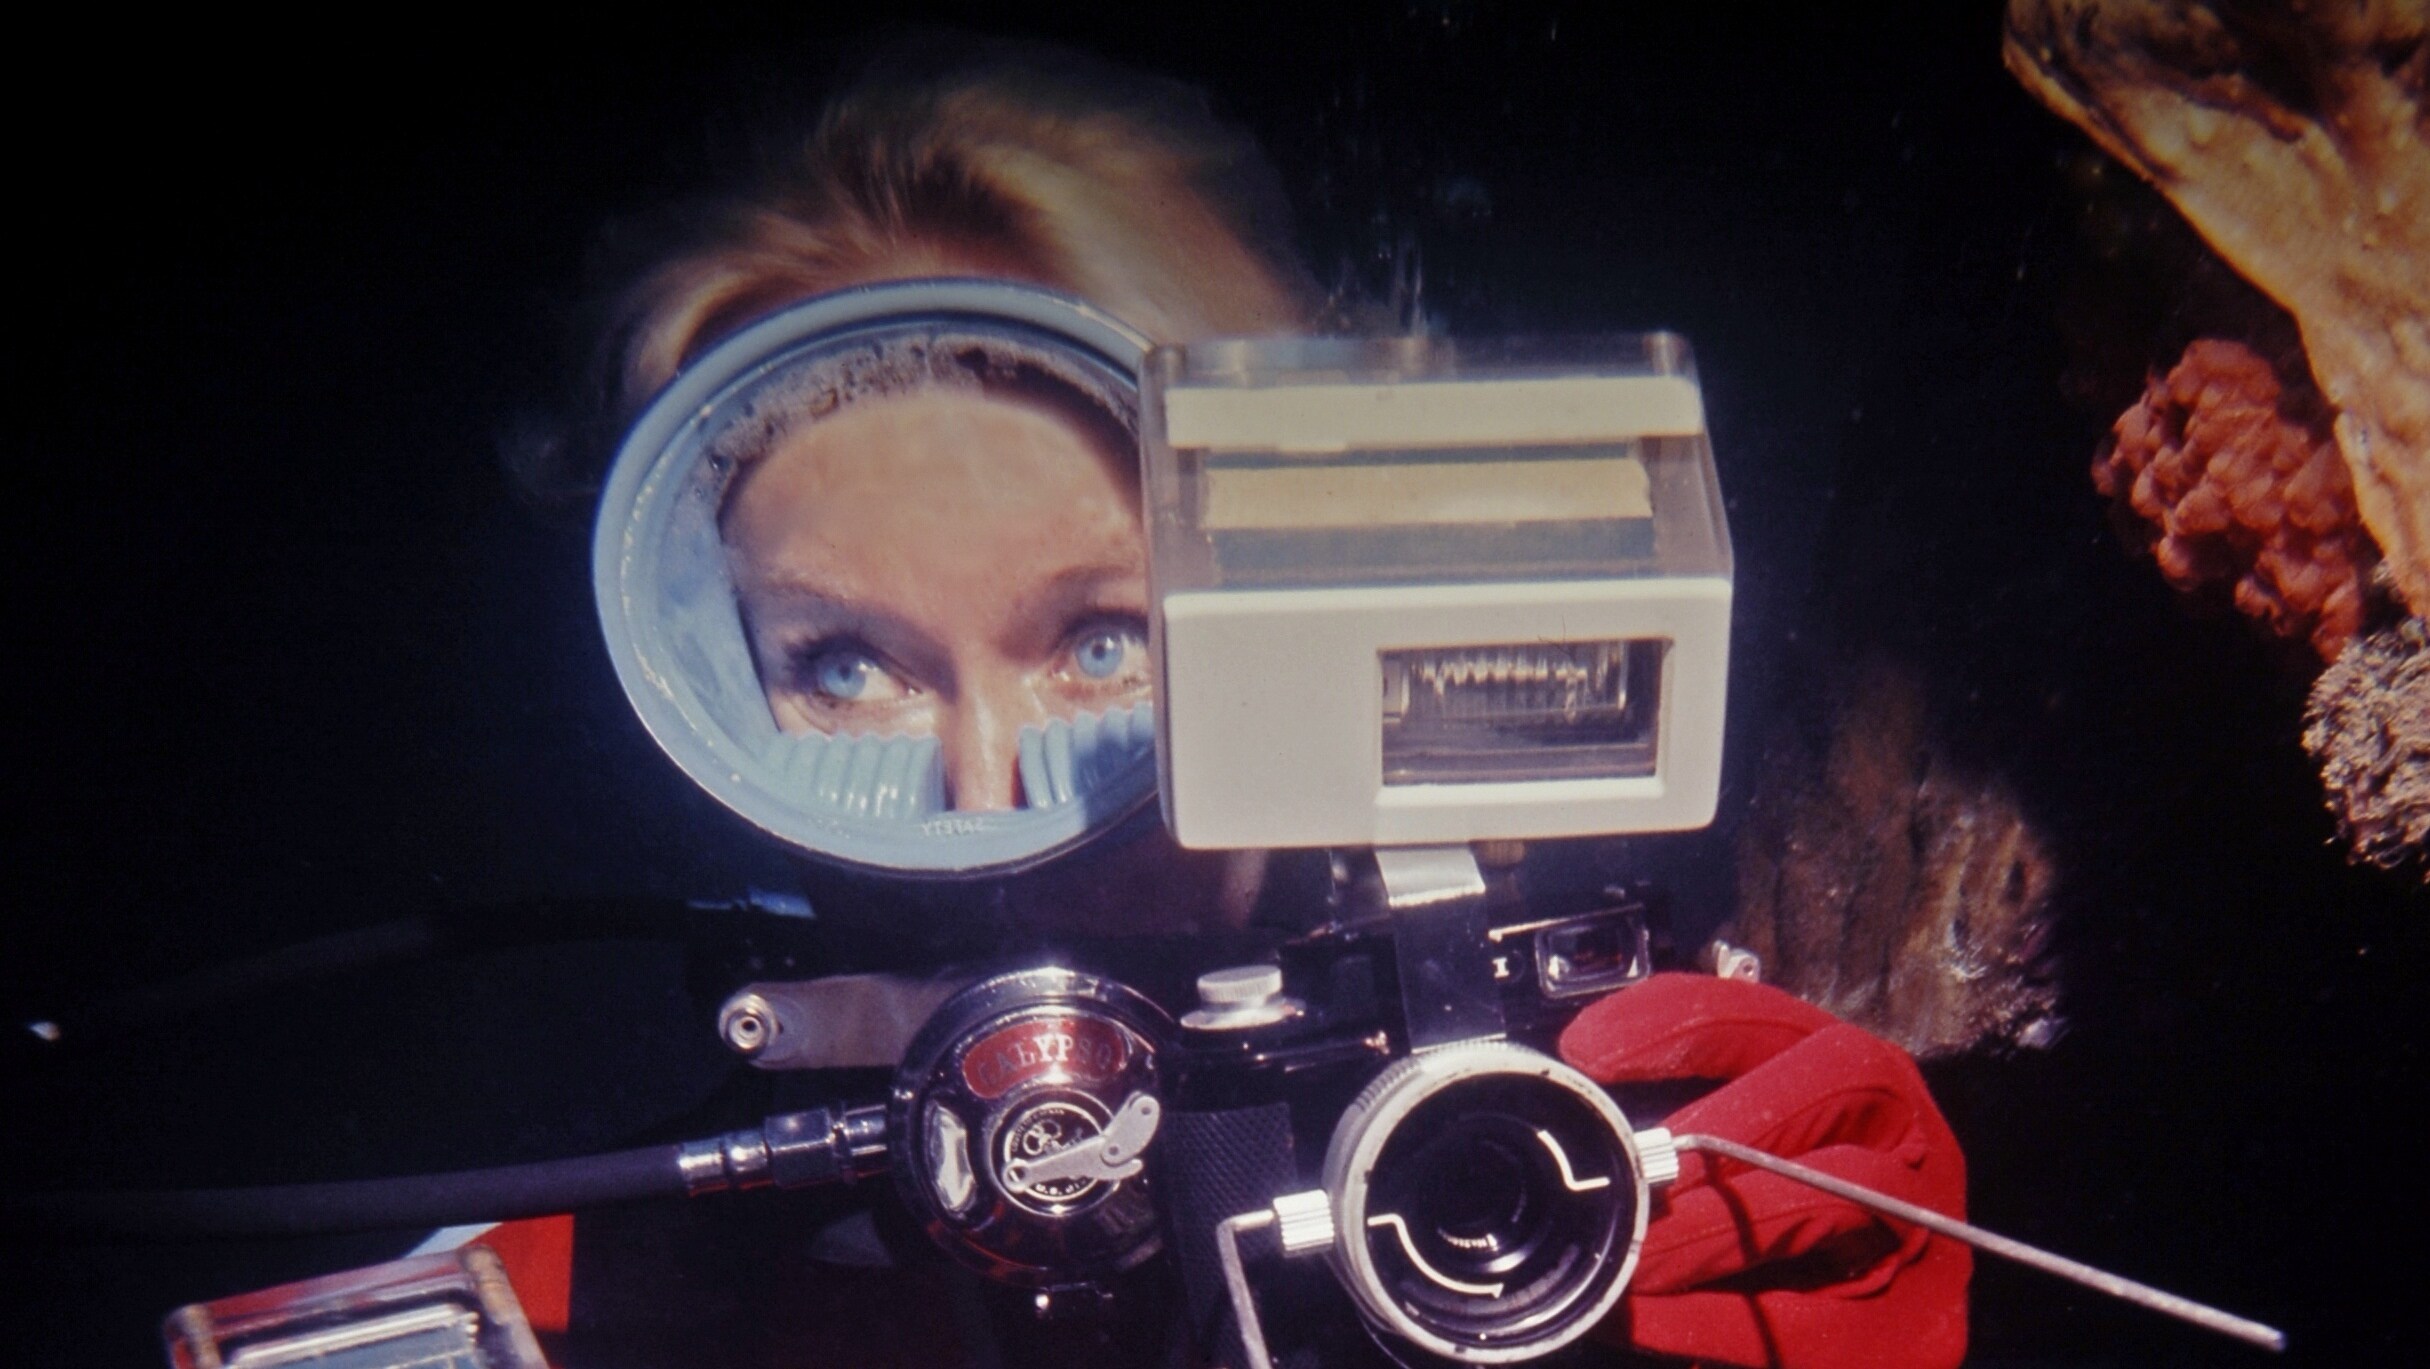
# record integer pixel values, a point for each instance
(1413, 591)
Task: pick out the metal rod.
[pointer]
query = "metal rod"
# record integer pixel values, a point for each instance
(2101, 1280)
(1236, 1282)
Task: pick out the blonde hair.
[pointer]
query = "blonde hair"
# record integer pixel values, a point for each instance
(1025, 163)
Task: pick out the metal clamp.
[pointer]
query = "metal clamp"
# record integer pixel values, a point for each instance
(1437, 898)
(1306, 1228)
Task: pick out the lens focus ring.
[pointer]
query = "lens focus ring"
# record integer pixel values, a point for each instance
(1490, 1201)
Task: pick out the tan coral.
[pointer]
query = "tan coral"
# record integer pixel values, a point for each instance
(2368, 724)
(2295, 140)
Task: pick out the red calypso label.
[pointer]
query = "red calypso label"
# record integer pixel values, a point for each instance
(1085, 1048)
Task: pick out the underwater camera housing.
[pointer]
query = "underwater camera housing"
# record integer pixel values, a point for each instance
(1418, 603)
(1408, 595)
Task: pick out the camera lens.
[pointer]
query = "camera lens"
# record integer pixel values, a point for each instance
(1490, 1202)
(1474, 1196)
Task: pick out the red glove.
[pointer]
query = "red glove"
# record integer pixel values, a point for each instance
(1743, 1267)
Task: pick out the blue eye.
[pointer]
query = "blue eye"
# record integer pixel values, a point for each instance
(842, 674)
(1105, 652)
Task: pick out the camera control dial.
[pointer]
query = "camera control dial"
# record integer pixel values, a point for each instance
(1026, 1105)
(1240, 997)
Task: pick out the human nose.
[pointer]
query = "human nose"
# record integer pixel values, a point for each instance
(982, 745)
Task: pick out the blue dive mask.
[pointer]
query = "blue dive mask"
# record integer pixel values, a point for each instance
(668, 604)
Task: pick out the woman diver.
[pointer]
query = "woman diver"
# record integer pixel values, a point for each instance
(906, 574)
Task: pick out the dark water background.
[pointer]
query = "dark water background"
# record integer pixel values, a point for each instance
(295, 660)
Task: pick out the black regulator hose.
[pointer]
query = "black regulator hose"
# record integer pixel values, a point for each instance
(419, 1200)
(790, 1150)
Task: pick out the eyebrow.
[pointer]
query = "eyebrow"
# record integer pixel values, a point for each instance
(1081, 582)
(1064, 586)
(804, 607)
